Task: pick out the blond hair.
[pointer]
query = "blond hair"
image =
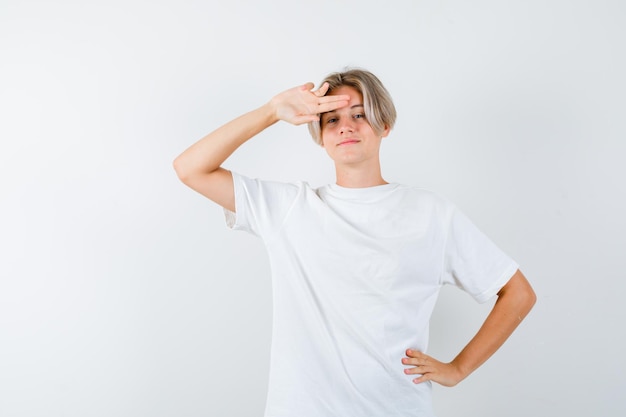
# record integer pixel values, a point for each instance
(377, 103)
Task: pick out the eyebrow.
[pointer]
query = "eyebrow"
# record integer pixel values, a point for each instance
(352, 107)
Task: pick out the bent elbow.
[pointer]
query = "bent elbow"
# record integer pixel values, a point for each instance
(519, 294)
(531, 298)
(526, 299)
(180, 170)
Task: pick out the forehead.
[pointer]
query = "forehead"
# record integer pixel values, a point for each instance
(355, 96)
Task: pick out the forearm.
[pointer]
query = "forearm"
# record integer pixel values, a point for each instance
(208, 154)
(515, 301)
(297, 106)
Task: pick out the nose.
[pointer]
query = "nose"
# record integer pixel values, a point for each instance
(347, 125)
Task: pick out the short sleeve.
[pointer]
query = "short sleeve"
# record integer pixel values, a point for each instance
(472, 261)
(260, 206)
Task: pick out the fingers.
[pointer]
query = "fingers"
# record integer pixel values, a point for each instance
(301, 104)
(419, 366)
(302, 119)
(427, 368)
(307, 87)
(418, 370)
(422, 365)
(322, 90)
(330, 103)
(423, 378)
(417, 359)
(411, 353)
(335, 103)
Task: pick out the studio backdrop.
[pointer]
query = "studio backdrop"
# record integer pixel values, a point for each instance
(123, 293)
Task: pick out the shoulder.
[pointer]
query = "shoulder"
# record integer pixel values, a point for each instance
(247, 181)
(269, 190)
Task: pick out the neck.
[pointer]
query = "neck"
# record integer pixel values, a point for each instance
(359, 176)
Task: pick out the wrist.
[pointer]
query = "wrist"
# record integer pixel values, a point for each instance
(460, 372)
(270, 111)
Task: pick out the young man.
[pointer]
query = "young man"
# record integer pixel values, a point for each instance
(356, 265)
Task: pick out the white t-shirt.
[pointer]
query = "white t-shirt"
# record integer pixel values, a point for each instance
(356, 273)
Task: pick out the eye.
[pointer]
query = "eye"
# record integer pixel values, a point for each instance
(359, 116)
(331, 120)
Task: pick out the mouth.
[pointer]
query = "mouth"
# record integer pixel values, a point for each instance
(348, 142)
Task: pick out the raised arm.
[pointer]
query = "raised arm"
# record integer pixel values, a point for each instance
(515, 301)
(200, 166)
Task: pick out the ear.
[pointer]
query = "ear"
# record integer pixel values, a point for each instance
(385, 132)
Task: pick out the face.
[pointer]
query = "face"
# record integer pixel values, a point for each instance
(347, 135)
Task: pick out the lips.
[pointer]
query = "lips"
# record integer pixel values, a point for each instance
(348, 142)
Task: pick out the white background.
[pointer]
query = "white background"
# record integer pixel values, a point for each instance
(122, 293)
